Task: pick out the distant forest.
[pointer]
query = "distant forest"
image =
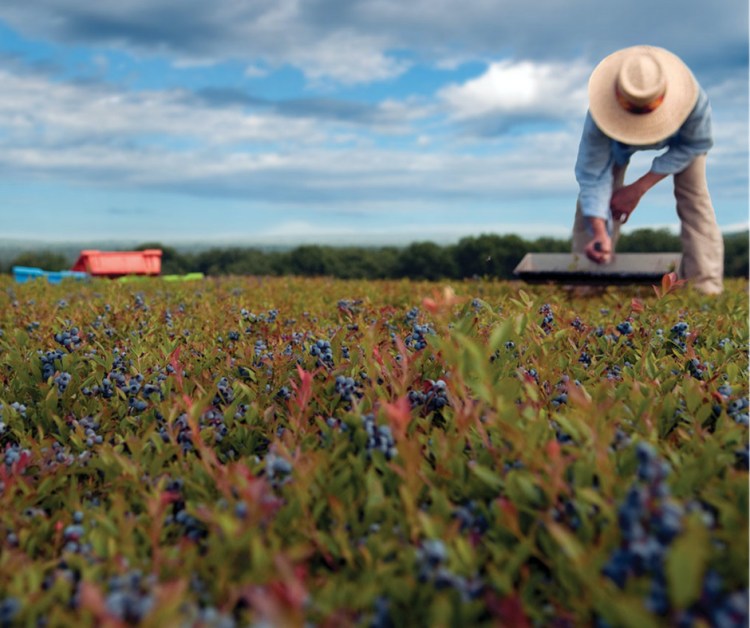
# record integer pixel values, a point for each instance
(484, 255)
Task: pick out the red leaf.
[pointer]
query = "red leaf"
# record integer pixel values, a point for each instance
(174, 362)
(553, 449)
(509, 610)
(399, 416)
(304, 389)
(669, 282)
(430, 305)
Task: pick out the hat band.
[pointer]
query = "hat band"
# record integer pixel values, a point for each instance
(638, 109)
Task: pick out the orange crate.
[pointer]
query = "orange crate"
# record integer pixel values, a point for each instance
(119, 263)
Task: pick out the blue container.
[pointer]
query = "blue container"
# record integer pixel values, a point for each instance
(22, 274)
(57, 276)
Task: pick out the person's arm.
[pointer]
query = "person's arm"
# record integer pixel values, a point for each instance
(692, 139)
(599, 248)
(594, 175)
(625, 199)
(695, 137)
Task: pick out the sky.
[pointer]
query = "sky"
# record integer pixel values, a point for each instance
(334, 121)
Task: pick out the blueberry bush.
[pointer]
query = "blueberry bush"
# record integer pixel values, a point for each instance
(284, 452)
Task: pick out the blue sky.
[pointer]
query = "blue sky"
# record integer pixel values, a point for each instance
(334, 121)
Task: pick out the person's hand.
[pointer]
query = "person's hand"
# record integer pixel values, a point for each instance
(624, 200)
(599, 249)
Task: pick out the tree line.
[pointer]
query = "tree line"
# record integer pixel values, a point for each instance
(485, 255)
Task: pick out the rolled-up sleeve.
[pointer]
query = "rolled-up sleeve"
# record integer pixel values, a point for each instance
(694, 138)
(594, 171)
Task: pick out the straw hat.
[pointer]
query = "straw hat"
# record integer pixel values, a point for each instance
(641, 95)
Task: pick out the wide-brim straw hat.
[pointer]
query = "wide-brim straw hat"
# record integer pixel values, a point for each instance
(641, 95)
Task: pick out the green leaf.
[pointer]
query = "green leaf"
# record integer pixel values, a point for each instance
(501, 333)
(686, 563)
(523, 491)
(489, 477)
(568, 543)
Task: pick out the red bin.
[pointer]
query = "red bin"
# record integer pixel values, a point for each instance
(119, 263)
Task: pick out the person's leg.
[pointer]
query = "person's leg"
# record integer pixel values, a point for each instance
(618, 180)
(581, 234)
(702, 242)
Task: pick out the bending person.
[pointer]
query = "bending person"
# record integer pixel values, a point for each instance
(646, 98)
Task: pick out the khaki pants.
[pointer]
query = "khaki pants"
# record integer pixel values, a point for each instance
(702, 242)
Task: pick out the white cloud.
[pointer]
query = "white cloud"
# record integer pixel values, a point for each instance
(159, 139)
(354, 40)
(37, 111)
(521, 88)
(255, 71)
(347, 58)
(402, 155)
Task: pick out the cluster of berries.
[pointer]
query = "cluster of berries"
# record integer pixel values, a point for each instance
(562, 394)
(417, 339)
(510, 347)
(530, 374)
(268, 317)
(585, 359)
(18, 408)
(129, 598)
(625, 328)
(564, 511)
(412, 314)
(431, 567)
(224, 393)
(678, 334)
(382, 614)
(180, 425)
(548, 318)
(321, 349)
(649, 521)
(183, 434)
(349, 305)
(139, 303)
(379, 438)
(433, 398)
(470, 519)
(284, 393)
(561, 435)
(90, 427)
(62, 381)
(278, 470)
(49, 359)
(578, 324)
(105, 389)
(69, 338)
(261, 352)
(738, 410)
(190, 528)
(73, 535)
(348, 388)
(10, 607)
(614, 373)
(13, 453)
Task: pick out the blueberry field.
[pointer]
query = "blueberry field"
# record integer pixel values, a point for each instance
(314, 452)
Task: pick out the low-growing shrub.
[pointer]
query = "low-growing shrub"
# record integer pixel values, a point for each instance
(316, 452)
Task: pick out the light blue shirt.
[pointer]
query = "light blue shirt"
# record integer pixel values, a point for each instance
(597, 153)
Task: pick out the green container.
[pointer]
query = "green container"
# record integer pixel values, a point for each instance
(132, 278)
(187, 277)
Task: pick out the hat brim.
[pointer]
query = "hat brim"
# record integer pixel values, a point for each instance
(642, 128)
